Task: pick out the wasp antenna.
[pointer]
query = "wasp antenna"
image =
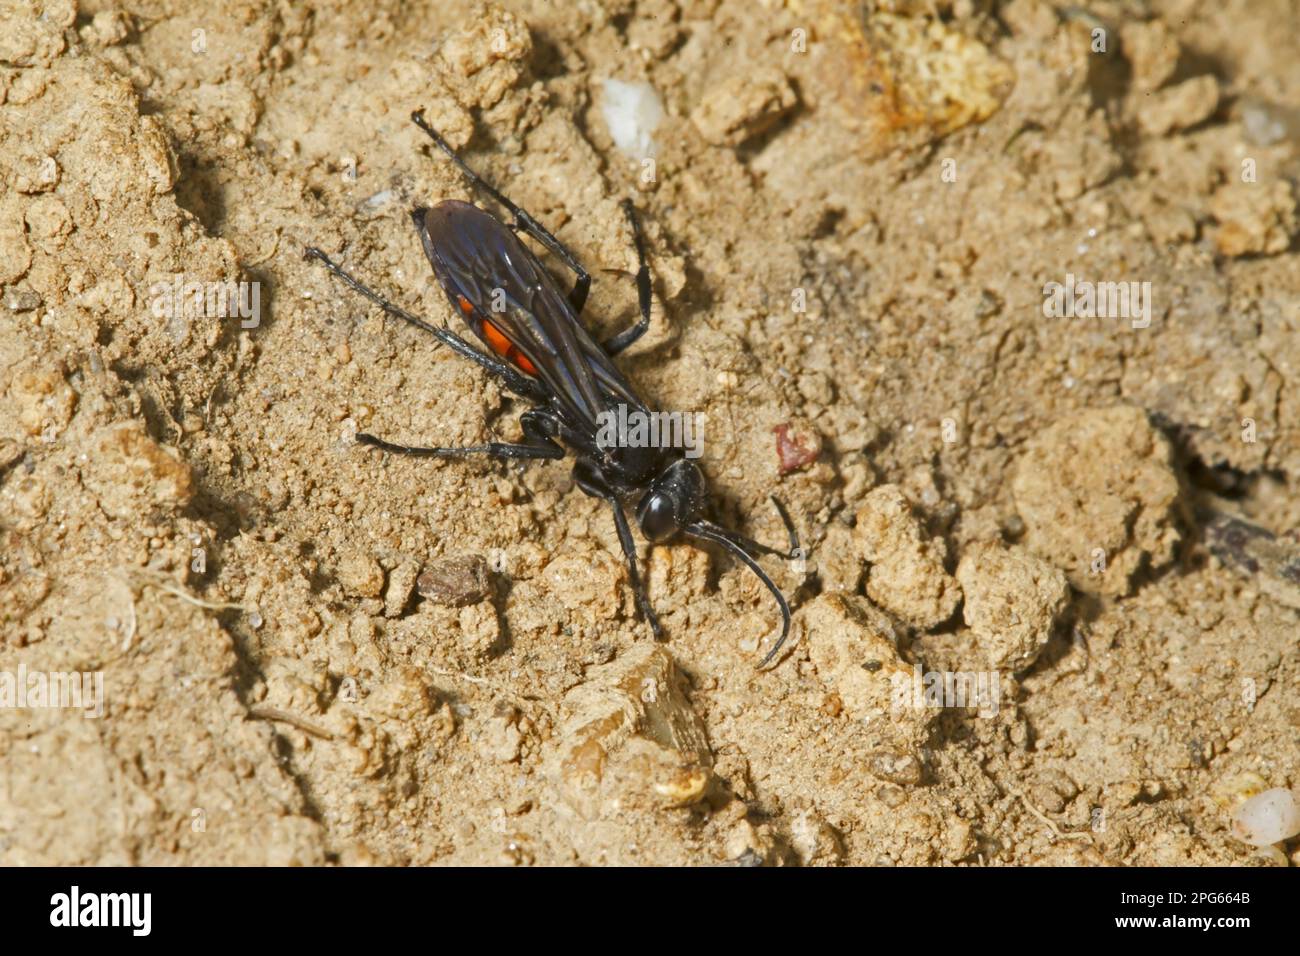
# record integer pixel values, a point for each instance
(789, 526)
(418, 119)
(710, 532)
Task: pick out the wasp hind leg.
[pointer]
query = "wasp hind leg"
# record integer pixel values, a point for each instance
(514, 381)
(523, 220)
(617, 343)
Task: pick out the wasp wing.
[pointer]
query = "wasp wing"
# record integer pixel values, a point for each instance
(514, 306)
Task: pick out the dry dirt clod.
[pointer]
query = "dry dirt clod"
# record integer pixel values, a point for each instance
(1012, 601)
(361, 575)
(132, 472)
(927, 75)
(476, 630)
(744, 106)
(1099, 497)
(44, 399)
(839, 568)
(1254, 218)
(631, 738)
(854, 646)
(1152, 51)
(401, 585)
(486, 57)
(906, 575)
(590, 587)
(676, 574)
(814, 840)
(1179, 107)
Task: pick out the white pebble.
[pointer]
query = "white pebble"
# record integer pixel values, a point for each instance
(1267, 818)
(632, 112)
(376, 202)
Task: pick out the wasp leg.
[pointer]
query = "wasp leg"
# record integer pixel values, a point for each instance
(524, 221)
(629, 552)
(537, 426)
(617, 343)
(512, 379)
(589, 480)
(491, 450)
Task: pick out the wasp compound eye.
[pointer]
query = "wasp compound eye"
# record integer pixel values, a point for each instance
(657, 516)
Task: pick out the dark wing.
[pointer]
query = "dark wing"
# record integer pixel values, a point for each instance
(513, 304)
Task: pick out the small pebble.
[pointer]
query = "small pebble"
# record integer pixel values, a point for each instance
(1267, 818)
(455, 582)
(632, 112)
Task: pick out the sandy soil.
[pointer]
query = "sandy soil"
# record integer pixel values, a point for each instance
(313, 653)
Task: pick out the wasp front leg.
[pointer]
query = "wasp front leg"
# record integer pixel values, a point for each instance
(590, 481)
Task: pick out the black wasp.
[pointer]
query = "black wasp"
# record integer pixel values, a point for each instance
(541, 352)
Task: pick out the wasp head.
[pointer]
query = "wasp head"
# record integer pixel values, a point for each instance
(675, 499)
